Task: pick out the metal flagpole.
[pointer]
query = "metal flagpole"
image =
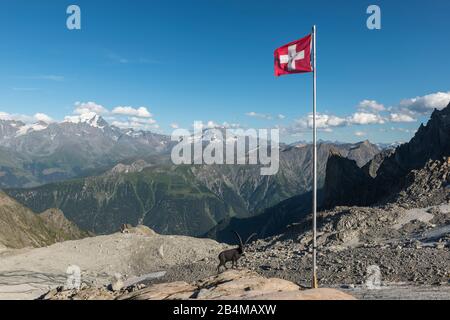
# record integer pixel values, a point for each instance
(314, 278)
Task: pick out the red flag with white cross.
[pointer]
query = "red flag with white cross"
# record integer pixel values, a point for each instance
(300, 57)
(294, 57)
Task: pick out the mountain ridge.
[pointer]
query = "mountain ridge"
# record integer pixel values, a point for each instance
(186, 199)
(20, 227)
(386, 175)
(59, 151)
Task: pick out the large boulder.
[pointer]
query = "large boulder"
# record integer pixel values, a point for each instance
(229, 285)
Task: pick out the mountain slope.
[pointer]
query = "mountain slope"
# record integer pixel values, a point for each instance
(167, 198)
(44, 153)
(40, 153)
(343, 181)
(188, 199)
(384, 177)
(20, 227)
(269, 223)
(347, 183)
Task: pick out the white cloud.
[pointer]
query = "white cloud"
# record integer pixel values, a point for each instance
(5, 116)
(427, 103)
(88, 107)
(370, 112)
(405, 130)
(141, 112)
(331, 121)
(231, 125)
(135, 125)
(259, 115)
(324, 122)
(265, 115)
(211, 124)
(401, 117)
(26, 118)
(49, 77)
(120, 124)
(371, 105)
(142, 120)
(25, 89)
(136, 122)
(174, 125)
(116, 58)
(43, 117)
(362, 118)
(360, 133)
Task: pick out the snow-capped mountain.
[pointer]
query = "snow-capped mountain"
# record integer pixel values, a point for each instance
(90, 118)
(32, 154)
(38, 126)
(9, 128)
(392, 145)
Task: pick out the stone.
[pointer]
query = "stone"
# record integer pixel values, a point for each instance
(229, 285)
(117, 284)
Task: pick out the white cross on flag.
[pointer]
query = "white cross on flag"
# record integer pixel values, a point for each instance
(294, 57)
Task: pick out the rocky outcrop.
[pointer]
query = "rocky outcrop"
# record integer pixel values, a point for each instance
(230, 285)
(371, 167)
(427, 186)
(136, 166)
(343, 181)
(362, 152)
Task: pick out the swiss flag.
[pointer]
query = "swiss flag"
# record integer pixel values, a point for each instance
(294, 57)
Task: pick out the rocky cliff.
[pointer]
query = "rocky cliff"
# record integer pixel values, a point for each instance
(386, 175)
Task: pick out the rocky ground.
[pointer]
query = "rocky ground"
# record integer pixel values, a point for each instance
(28, 273)
(407, 245)
(229, 285)
(427, 186)
(406, 250)
(379, 252)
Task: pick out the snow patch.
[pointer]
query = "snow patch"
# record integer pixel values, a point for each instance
(90, 118)
(23, 130)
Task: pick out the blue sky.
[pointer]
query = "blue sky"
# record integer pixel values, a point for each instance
(213, 61)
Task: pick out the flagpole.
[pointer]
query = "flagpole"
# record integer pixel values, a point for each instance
(314, 276)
